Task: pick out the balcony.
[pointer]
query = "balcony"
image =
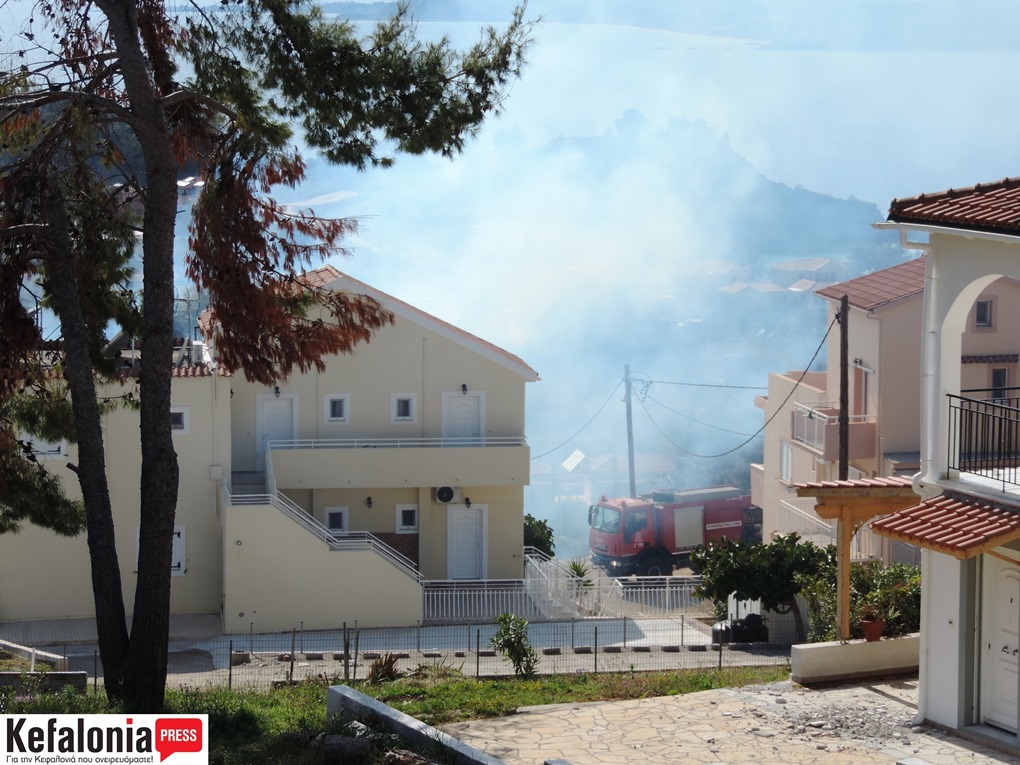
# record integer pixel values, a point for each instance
(983, 437)
(399, 462)
(817, 427)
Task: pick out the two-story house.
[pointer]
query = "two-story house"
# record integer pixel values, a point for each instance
(967, 519)
(327, 497)
(801, 410)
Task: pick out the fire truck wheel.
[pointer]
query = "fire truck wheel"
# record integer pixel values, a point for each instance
(654, 565)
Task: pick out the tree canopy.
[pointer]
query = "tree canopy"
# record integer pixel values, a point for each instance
(100, 108)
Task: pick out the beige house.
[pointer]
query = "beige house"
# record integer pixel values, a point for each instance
(331, 496)
(801, 409)
(967, 518)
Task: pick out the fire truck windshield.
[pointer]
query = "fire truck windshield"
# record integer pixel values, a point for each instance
(604, 519)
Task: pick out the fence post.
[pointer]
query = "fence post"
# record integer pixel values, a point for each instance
(230, 665)
(572, 644)
(596, 653)
(625, 633)
(251, 638)
(95, 670)
(419, 636)
(347, 654)
(683, 622)
(290, 676)
(357, 638)
(478, 652)
(302, 637)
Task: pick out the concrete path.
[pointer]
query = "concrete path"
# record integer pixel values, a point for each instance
(778, 724)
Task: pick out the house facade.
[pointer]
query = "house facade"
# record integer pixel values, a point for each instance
(801, 410)
(328, 497)
(967, 518)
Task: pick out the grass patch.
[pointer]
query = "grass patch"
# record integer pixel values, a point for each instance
(277, 726)
(453, 699)
(10, 662)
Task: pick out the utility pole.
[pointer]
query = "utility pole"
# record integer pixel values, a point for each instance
(630, 432)
(844, 389)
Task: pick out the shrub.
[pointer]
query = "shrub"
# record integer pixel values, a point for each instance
(512, 641)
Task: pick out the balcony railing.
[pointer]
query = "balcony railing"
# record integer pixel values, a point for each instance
(983, 436)
(396, 443)
(817, 427)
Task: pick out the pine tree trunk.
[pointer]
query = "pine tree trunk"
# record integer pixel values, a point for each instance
(145, 669)
(106, 583)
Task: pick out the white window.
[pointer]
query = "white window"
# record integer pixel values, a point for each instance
(1000, 382)
(402, 407)
(785, 462)
(407, 519)
(179, 421)
(336, 407)
(983, 313)
(336, 519)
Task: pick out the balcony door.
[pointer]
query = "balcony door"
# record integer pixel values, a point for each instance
(1001, 626)
(275, 420)
(463, 415)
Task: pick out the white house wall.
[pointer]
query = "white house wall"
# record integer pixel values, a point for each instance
(45, 576)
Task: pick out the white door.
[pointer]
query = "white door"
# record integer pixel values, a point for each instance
(275, 421)
(463, 416)
(1001, 642)
(465, 542)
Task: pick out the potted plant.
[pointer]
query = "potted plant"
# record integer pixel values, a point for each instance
(876, 611)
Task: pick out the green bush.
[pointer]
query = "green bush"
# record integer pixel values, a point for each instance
(893, 590)
(511, 640)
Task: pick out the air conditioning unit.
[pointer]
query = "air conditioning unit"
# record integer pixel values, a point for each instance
(446, 494)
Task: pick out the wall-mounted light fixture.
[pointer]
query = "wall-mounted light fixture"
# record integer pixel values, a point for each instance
(276, 391)
(463, 388)
(467, 501)
(368, 501)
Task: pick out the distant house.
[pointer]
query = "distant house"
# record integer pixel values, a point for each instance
(884, 375)
(330, 496)
(816, 270)
(967, 519)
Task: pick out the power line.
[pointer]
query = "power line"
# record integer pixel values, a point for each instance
(696, 421)
(709, 385)
(765, 425)
(605, 403)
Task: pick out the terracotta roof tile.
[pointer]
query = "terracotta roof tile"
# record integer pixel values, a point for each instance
(991, 358)
(888, 482)
(956, 524)
(992, 207)
(881, 287)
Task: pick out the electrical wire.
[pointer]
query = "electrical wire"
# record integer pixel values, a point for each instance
(699, 422)
(604, 405)
(765, 425)
(709, 385)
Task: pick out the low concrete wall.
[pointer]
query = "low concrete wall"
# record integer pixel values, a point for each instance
(349, 704)
(25, 652)
(831, 662)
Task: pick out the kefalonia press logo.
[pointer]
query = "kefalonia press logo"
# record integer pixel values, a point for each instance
(104, 739)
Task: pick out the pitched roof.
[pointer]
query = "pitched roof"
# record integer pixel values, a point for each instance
(888, 482)
(961, 525)
(991, 207)
(329, 277)
(880, 288)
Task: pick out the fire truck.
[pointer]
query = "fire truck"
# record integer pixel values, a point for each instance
(652, 535)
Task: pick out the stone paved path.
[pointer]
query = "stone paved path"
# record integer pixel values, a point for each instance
(779, 724)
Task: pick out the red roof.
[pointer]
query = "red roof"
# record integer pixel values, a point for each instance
(960, 525)
(874, 290)
(888, 482)
(992, 207)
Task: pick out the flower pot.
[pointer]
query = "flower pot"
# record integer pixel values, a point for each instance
(873, 629)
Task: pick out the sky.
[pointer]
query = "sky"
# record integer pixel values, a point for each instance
(645, 137)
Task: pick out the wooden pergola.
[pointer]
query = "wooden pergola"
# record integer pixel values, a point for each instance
(852, 503)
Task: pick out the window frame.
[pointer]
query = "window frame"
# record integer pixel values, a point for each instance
(345, 514)
(989, 310)
(185, 428)
(395, 399)
(786, 462)
(327, 407)
(400, 526)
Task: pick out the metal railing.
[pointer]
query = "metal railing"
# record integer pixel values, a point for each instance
(811, 421)
(395, 443)
(983, 436)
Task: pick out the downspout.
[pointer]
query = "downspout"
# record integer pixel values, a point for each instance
(925, 483)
